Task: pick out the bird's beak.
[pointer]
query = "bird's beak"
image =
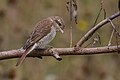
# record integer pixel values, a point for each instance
(61, 31)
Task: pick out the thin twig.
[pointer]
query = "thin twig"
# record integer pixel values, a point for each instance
(117, 42)
(98, 15)
(104, 11)
(105, 14)
(71, 36)
(109, 43)
(71, 23)
(114, 27)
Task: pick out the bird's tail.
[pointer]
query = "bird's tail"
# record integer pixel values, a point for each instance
(27, 51)
(22, 58)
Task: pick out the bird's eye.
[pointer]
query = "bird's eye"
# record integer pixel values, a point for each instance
(58, 22)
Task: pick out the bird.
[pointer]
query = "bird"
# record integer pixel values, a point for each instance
(43, 33)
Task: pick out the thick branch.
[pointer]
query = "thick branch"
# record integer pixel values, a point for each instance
(89, 34)
(62, 51)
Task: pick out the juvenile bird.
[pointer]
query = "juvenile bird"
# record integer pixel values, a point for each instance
(43, 33)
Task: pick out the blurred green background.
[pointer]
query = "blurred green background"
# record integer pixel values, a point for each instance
(18, 18)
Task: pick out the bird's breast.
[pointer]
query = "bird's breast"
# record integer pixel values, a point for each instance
(48, 38)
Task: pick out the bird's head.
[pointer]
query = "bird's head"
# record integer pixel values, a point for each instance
(59, 23)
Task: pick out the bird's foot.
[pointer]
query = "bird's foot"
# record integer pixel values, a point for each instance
(39, 49)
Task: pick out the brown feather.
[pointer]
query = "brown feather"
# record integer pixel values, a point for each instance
(42, 29)
(22, 58)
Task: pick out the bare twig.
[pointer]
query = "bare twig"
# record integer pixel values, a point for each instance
(117, 42)
(72, 9)
(109, 43)
(97, 17)
(105, 14)
(104, 11)
(71, 36)
(71, 23)
(98, 14)
(113, 26)
(94, 29)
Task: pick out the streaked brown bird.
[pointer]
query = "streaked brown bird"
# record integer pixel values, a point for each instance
(43, 33)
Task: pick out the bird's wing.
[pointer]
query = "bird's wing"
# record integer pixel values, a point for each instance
(41, 30)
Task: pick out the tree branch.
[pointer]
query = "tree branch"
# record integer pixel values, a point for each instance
(89, 34)
(62, 51)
